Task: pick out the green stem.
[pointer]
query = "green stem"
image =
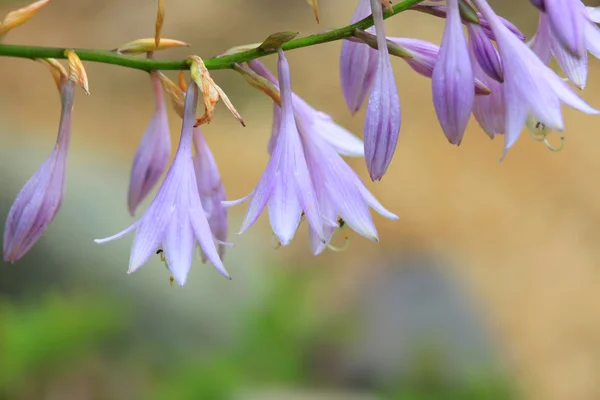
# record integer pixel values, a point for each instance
(112, 57)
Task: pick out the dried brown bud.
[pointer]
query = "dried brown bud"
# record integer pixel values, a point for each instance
(259, 82)
(77, 70)
(59, 74)
(20, 16)
(211, 92)
(160, 19)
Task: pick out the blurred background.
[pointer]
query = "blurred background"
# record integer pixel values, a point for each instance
(488, 287)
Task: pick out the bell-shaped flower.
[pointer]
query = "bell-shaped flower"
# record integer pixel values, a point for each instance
(339, 191)
(286, 185)
(211, 190)
(567, 20)
(546, 44)
(358, 64)
(529, 85)
(343, 141)
(175, 220)
(382, 120)
(152, 155)
(452, 80)
(39, 200)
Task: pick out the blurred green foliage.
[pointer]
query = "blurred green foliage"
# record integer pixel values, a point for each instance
(284, 341)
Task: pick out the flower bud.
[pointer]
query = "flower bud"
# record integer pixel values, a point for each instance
(148, 44)
(20, 16)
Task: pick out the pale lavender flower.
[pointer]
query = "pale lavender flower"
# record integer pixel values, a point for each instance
(529, 85)
(452, 80)
(286, 185)
(382, 120)
(358, 64)
(40, 199)
(546, 44)
(339, 191)
(211, 190)
(343, 141)
(153, 153)
(175, 220)
(567, 20)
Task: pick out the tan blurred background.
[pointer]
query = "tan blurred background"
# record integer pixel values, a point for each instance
(520, 236)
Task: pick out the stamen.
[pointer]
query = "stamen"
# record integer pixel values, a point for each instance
(344, 247)
(163, 259)
(555, 149)
(277, 243)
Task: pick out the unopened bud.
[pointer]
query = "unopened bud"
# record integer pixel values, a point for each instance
(77, 71)
(20, 16)
(149, 44)
(259, 82)
(211, 92)
(160, 19)
(59, 74)
(468, 13)
(276, 40)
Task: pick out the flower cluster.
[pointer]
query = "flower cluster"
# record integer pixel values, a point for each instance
(484, 67)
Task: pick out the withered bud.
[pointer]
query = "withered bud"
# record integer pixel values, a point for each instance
(59, 73)
(174, 92)
(20, 16)
(259, 82)
(149, 44)
(211, 92)
(276, 40)
(77, 71)
(387, 4)
(160, 19)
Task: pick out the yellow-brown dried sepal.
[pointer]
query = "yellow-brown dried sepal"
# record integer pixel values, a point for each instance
(77, 70)
(259, 82)
(315, 8)
(211, 92)
(174, 92)
(148, 44)
(59, 73)
(20, 16)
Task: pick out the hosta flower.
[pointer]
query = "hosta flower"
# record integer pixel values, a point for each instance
(175, 220)
(452, 80)
(382, 120)
(567, 21)
(152, 155)
(575, 66)
(211, 190)
(39, 200)
(339, 191)
(285, 185)
(529, 85)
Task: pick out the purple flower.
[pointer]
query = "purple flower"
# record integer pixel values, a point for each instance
(488, 110)
(358, 64)
(38, 202)
(452, 80)
(285, 185)
(152, 155)
(211, 190)
(339, 191)
(529, 85)
(485, 53)
(382, 120)
(175, 220)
